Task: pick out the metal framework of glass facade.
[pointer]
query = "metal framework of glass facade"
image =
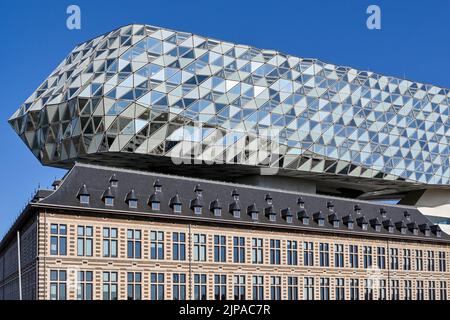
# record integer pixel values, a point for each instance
(152, 91)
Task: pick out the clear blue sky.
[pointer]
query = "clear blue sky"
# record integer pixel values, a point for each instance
(413, 42)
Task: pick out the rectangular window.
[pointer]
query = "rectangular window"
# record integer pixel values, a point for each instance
(354, 289)
(199, 247)
(430, 260)
(275, 253)
(292, 288)
(308, 254)
(58, 285)
(258, 287)
(406, 259)
(339, 255)
(308, 288)
(239, 287)
(367, 257)
(58, 239)
(353, 256)
(340, 289)
(292, 254)
(238, 249)
(395, 290)
(134, 286)
(419, 260)
(110, 242)
(84, 285)
(381, 258)
(408, 289)
(431, 290)
(275, 288)
(420, 295)
(394, 258)
(134, 243)
(110, 285)
(368, 289)
(179, 246)
(442, 262)
(156, 286)
(179, 286)
(382, 294)
(85, 239)
(157, 245)
(257, 250)
(324, 288)
(220, 248)
(443, 290)
(199, 286)
(220, 287)
(324, 254)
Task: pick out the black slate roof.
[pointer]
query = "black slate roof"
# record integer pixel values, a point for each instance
(181, 189)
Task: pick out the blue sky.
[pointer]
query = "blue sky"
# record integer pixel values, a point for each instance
(412, 43)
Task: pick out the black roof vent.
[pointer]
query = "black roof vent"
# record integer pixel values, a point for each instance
(196, 203)
(234, 206)
(83, 191)
(56, 184)
(286, 213)
(131, 196)
(154, 198)
(157, 184)
(270, 211)
(215, 204)
(333, 217)
(348, 219)
(252, 209)
(318, 216)
(113, 178)
(107, 193)
(407, 215)
(175, 200)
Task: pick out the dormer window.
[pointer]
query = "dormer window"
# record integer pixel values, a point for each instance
(401, 226)
(413, 228)
(175, 204)
(301, 203)
(303, 216)
(253, 211)
(235, 195)
(436, 230)
(362, 222)
(389, 225)
(157, 186)
(330, 206)
(108, 197)
(155, 203)
(235, 209)
(113, 181)
(425, 228)
(216, 208)
(196, 205)
(271, 213)
(376, 224)
(348, 221)
(334, 220)
(131, 199)
(286, 214)
(198, 190)
(407, 215)
(357, 209)
(319, 218)
(383, 212)
(268, 199)
(83, 195)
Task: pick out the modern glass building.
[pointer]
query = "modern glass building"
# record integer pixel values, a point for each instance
(147, 98)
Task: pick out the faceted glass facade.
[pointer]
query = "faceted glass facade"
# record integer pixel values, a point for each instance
(152, 91)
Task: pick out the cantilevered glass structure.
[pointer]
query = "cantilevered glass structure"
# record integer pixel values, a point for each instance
(144, 96)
